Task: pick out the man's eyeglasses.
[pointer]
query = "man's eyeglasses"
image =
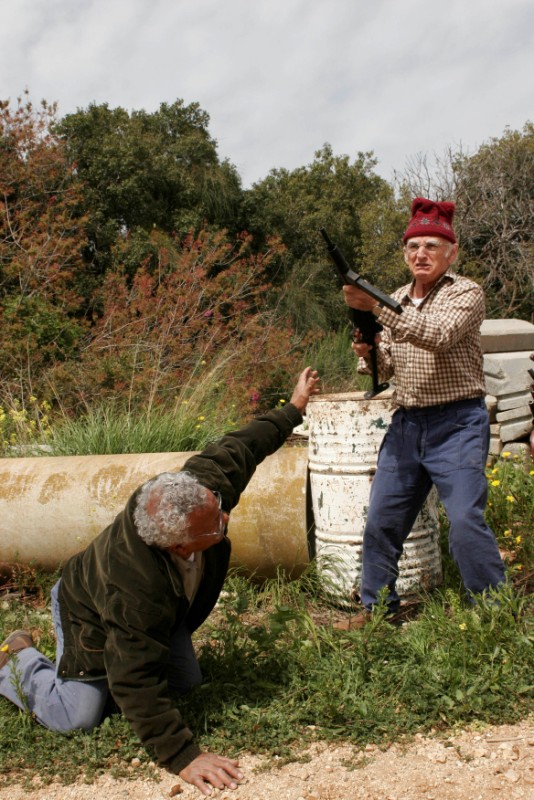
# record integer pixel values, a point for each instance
(430, 247)
(222, 529)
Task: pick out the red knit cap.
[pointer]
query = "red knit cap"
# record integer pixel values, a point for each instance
(431, 219)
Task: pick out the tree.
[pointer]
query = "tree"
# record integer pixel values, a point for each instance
(41, 235)
(188, 304)
(494, 193)
(148, 170)
(330, 192)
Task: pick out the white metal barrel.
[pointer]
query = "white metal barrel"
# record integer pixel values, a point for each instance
(345, 433)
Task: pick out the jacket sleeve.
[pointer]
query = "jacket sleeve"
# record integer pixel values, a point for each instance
(136, 655)
(228, 465)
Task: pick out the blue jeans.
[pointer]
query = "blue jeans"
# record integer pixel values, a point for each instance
(30, 680)
(446, 446)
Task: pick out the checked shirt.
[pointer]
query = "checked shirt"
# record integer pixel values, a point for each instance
(433, 349)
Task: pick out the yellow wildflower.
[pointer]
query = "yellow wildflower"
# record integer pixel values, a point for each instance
(495, 483)
(281, 401)
(518, 540)
(510, 498)
(201, 417)
(507, 533)
(462, 626)
(506, 454)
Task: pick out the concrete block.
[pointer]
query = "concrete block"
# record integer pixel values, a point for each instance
(513, 413)
(507, 373)
(506, 335)
(515, 400)
(515, 429)
(495, 446)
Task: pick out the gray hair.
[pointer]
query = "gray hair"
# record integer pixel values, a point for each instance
(163, 507)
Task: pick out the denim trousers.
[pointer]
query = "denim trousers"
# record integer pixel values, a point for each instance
(445, 445)
(30, 680)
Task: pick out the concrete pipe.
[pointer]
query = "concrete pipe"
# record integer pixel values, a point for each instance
(50, 508)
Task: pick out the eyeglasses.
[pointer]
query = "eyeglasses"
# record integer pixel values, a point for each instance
(430, 247)
(222, 529)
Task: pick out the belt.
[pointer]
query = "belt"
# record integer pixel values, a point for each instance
(441, 407)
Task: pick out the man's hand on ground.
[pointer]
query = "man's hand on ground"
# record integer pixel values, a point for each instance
(209, 770)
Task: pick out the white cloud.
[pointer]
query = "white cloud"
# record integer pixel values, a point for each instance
(281, 77)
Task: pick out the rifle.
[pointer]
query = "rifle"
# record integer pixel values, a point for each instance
(364, 321)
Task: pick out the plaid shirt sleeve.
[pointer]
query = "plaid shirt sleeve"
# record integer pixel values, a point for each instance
(433, 350)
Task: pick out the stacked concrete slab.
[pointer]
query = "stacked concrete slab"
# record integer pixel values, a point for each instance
(508, 345)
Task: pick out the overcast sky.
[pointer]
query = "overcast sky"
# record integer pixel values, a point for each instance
(279, 78)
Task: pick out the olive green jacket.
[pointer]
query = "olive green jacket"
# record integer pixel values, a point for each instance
(120, 599)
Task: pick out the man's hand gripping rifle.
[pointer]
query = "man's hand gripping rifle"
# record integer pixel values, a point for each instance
(363, 321)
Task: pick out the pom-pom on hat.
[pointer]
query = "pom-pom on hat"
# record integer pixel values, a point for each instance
(431, 219)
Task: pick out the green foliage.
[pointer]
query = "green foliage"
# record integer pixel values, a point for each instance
(383, 222)
(510, 510)
(330, 192)
(123, 261)
(336, 363)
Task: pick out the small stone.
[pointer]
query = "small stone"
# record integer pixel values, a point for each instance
(511, 776)
(135, 762)
(176, 789)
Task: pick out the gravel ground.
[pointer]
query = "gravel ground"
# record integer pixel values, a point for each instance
(483, 764)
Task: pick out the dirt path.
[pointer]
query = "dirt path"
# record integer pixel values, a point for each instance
(472, 765)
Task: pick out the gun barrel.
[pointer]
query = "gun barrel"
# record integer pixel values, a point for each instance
(336, 255)
(349, 276)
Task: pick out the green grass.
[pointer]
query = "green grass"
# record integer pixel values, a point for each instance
(336, 363)
(101, 432)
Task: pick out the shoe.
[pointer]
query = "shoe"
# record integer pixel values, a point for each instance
(354, 622)
(15, 642)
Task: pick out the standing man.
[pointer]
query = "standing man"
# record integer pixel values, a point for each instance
(439, 433)
(124, 609)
